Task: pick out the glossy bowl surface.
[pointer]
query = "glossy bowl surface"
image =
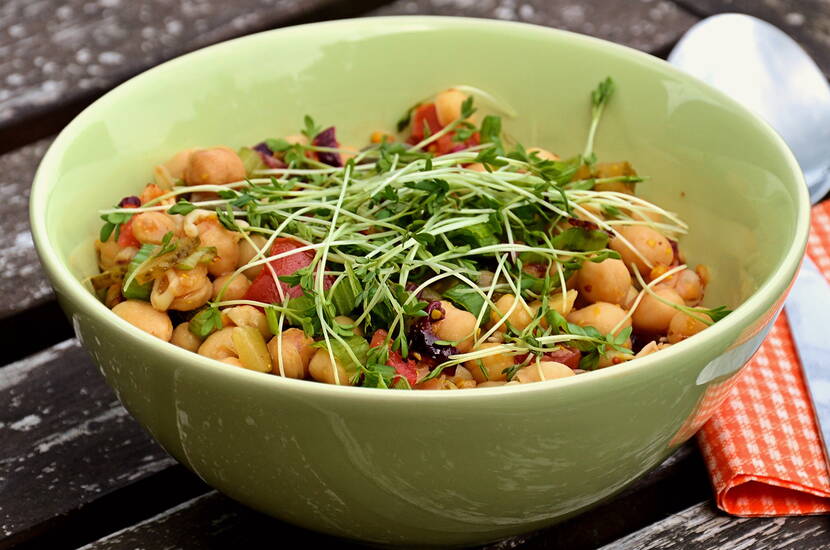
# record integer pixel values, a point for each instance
(430, 467)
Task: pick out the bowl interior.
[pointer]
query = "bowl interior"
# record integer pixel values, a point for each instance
(703, 157)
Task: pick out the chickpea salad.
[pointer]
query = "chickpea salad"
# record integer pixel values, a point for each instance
(444, 255)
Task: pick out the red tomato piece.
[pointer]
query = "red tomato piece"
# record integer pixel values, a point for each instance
(264, 287)
(424, 113)
(565, 355)
(404, 368)
(126, 237)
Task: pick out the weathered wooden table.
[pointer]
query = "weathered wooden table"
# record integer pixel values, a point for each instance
(75, 469)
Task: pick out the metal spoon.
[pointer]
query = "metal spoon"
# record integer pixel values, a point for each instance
(759, 65)
(763, 68)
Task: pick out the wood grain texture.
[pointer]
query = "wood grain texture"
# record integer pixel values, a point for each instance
(214, 521)
(649, 25)
(65, 440)
(20, 273)
(702, 527)
(807, 21)
(52, 52)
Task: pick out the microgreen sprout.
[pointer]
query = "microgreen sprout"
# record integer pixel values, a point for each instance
(397, 227)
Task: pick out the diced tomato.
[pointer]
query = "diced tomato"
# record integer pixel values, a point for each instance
(407, 369)
(126, 237)
(565, 355)
(424, 113)
(264, 287)
(442, 145)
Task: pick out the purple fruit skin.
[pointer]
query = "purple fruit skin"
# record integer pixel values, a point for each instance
(327, 138)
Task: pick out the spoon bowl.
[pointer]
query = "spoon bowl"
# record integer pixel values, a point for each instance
(763, 68)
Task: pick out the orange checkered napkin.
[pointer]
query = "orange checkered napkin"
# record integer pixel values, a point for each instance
(762, 446)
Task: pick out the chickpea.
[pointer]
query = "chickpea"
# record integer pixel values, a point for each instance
(142, 315)
(181, 290)
(107, 252)
(462, 374)
(602, 316)
(219, 345)
(703, 272)
(247, 253)
(295, 139)
(215, 166)
(297, 352)
(178, 163)
(654, 316)
(613, 357)
(612, 170)
(606, 281)
(456, 326)
(151, 227)
(232, 361)
(433, 384)
(321, 369)
(688, 285)
(195, 298)
(448, 105)
(543, 154)
(235, 290)
(211, 233)
(247, 316)
(545, 370)
(491, 366)
(518, 319)
(556, 303)
(183, 338)
(651, 347)
(630, 297)
(491, 384)
(682, 326)
(652, 245)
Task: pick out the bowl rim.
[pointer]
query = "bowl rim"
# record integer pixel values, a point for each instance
(762, 299)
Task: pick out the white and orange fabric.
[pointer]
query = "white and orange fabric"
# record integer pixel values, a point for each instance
(762, 446)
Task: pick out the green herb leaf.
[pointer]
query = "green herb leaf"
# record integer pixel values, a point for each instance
(204, 323)
(181, 207)
(465, 297)
(580, 239)
(490, 129)
(106, 231)
(602, 93)
(311, 129)
(278, 145)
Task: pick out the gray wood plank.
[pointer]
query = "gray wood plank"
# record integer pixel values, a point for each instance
(214, 521)
(649, 25)
(55, 52)
(209, 522)
(21, 276)
(702, 527)
(807, 21)
(65, 441)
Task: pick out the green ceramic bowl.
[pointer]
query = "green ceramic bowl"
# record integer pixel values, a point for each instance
(429, 467)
